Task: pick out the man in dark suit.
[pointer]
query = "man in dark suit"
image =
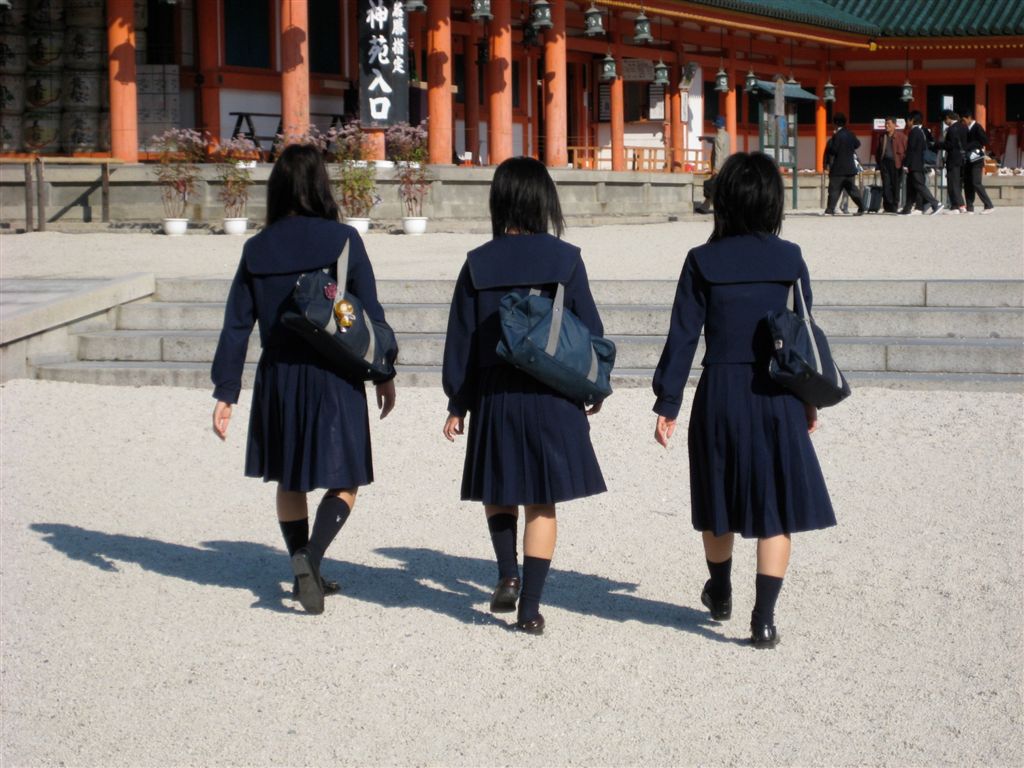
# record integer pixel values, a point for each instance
(975, 145)
(918, 140)
(889, 153)
(840, 154)
(953, 142)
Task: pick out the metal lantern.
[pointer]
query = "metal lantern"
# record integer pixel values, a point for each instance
(415, 6)
(907, 92)
(750, 83)
(829, 91)
(529, 35)
(608, 68)
(481, 10)
(593, 21)
(542, 14)
(642, 29)
(792, 80)
(661, 73)
(722, 81)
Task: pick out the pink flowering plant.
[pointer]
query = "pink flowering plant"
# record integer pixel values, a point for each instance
(234, 174)
(179, 151)
(406, 143)
(355, 178)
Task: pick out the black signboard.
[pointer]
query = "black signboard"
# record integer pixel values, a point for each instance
(383, 63)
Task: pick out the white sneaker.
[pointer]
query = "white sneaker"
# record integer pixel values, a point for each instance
(987, 211)
(937, 209)
(915, 212)
(963, 209)
(954, 211)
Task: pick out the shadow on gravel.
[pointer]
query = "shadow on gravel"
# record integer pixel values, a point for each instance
(429, 579)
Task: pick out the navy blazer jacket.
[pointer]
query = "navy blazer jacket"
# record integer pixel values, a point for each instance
(727, 287)
(842, 147)
(513, 262)
(919, 139)
(976, 137)
(271, 263)
(955, 143)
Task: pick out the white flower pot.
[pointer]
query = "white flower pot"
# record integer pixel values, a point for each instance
(407, 164)
(175, 227)
(359, 223)
(384, 163)
(236, 226)
(414, 225)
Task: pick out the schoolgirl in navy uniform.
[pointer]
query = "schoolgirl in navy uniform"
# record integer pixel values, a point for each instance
(753, 470)
(309, 426)
(527, 445)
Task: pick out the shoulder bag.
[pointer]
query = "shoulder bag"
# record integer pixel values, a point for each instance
(548, 342)
(335, 323)
(801, 360)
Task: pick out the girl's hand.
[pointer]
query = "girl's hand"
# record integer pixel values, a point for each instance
(453, 426)
(386, 397)
(221, 417)
(812, 418)
(595, 408)
(663, 430)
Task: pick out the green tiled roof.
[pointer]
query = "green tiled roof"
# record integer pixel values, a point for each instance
(816, 12)
(938, 18)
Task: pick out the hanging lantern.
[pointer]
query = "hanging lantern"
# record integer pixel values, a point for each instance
(907, 92)
(829, 91)
(608, 68)
(661, 73)
(481, 10)
(722, 81)
(792, 80)
(592, 19)
(529, 35)
(750, 83)
(542, 14)
(415, 6)
(642, 29)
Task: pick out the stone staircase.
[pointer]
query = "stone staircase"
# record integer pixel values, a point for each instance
(896, 333)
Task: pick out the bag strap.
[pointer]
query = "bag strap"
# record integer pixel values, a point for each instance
(342, 269)
(800, 308)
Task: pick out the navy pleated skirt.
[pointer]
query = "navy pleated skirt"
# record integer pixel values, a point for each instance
(527, 444)
(753, 470)
(309, 427)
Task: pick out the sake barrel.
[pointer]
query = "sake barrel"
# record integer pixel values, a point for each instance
(79, 130)
(41, 131)
(85, 48)
(85, 13)
(45, 49)
(42, 90)
(10, 133)
(46, 14)
(14, 15)
(82, 90)
(13, 52)
(12, 94)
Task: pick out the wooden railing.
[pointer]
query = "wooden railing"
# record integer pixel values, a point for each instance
(649, 159)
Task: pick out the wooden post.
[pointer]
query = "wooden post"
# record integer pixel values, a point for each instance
(820, 137)
(472, 98)
(209, 63)
(124, 127)
(29, 213)
(980, 98)
(294, 67)
(40, 197)
(556, 108)
(499, 97)
(105, 194)
(439, 82)
(618, 119)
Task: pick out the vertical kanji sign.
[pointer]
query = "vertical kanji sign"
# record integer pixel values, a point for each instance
(383, 66)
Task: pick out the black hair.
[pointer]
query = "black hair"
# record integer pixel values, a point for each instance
(524, 199)
(299, 185)
(949, 113)
(915, 117)
(891, 119)
(839, 119)
(747, 197)
(968, 113)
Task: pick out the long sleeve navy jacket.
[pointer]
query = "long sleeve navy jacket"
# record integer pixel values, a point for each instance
(513, 262)
(271, 263)
(727, 287)
(842, 148)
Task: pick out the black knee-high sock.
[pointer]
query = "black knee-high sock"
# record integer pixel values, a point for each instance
(331, 514)
(767, 593)
(720, 587)
(503, 536)
(535, 572)
(296, 534)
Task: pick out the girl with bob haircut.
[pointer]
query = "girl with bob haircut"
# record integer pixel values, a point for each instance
(309, 425)
(753, 470)
(528, 445)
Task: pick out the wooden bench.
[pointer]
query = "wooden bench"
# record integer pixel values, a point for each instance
(40, 161)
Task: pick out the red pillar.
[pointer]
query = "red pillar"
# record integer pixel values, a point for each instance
(439, 81)
(556, 108)
(472, 100)
(294, 67)
(674, 103)
(980, 97)
(618, 119)
(124, 119)
(730, 113)
(209, 62)
(499, 97)
(820, 137)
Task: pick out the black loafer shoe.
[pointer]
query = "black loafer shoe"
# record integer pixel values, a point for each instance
(330, 587)
(311, 588)
(721, 610)
(503, 599)
(531, 626)
(764, 635)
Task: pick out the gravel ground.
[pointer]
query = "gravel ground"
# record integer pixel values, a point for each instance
(879, 247)
(145, 621)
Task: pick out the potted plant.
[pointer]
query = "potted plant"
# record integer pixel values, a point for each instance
(413, 186)
(406, 144)
(236, 158)
(179, 150)
(355, 179)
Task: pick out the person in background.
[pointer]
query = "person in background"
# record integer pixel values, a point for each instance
(975, 144)
(841, 160)
(719, 153)
(954, 139)
(889, 153)
(918, 140)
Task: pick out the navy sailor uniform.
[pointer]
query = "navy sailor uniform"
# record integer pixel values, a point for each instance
(526, 443)
(309, 426)
(753, 469)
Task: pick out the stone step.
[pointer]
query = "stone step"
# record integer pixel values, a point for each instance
(852, 354)
(628, 320)
(909, 293)
(197, 375)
